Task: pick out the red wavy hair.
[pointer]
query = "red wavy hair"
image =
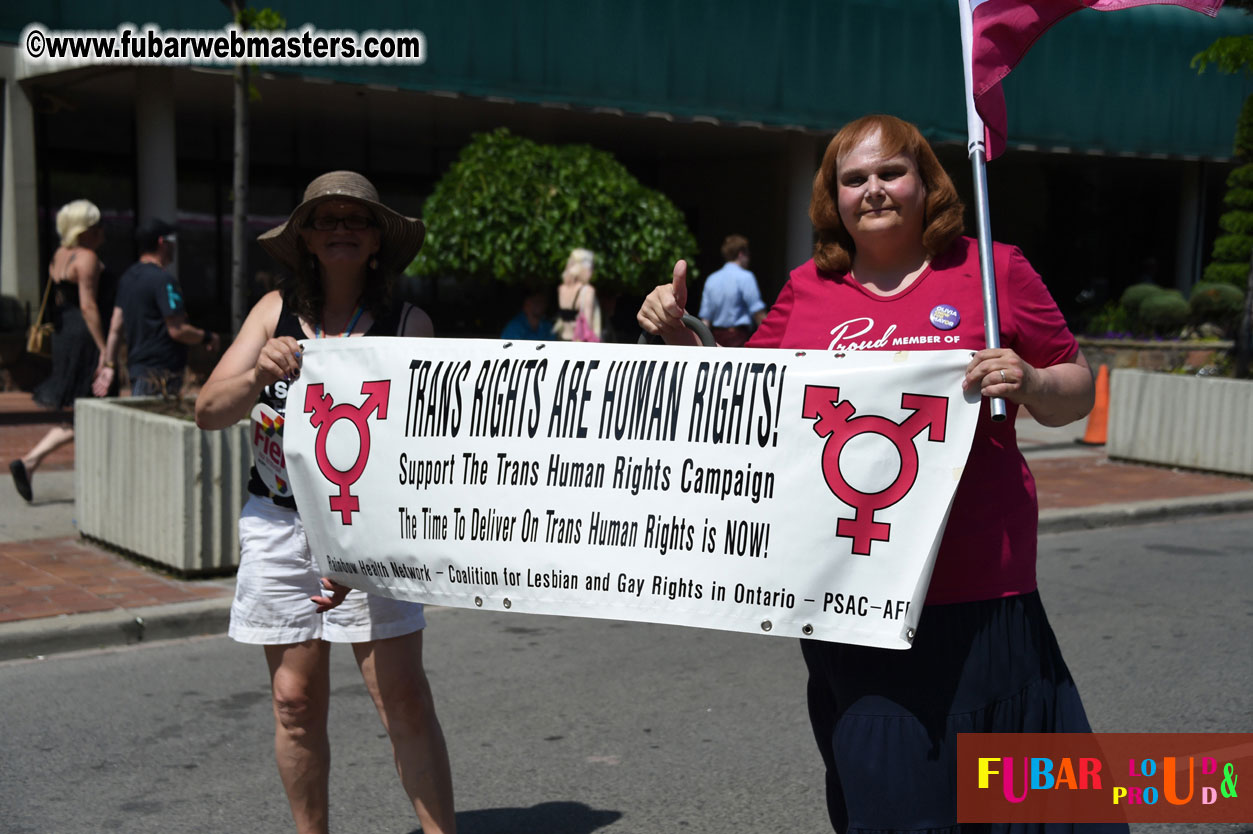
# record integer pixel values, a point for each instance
(943, 220)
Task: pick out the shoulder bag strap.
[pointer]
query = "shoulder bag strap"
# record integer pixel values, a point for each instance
(404, 318)
(44, 304)
(65, 275)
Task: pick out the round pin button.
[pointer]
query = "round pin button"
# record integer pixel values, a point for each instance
(945, 317)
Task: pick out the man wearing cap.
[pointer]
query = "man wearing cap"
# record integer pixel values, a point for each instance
(150, 309)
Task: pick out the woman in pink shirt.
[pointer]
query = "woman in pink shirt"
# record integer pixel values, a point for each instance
(890, 261)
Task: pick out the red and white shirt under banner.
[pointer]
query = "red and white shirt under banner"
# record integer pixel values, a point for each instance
(989, 545)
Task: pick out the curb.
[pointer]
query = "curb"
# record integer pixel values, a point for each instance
(1141, 512)
(120, 627)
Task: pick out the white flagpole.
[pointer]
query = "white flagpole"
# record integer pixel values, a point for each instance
(978, 160)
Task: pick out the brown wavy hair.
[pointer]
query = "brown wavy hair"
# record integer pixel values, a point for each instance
(733, 246)
(943, 219)
(301, 288)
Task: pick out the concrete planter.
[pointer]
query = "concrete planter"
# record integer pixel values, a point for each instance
(1176, 420)
(159, 487)
(1161, 355)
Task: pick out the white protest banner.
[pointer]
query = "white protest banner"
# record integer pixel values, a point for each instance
(794, 493)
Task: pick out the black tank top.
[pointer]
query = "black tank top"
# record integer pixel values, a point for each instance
(65, 294)
(275, 394)
(572, 313)
(65, 288)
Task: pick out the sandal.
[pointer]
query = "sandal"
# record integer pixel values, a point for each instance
(20, 479)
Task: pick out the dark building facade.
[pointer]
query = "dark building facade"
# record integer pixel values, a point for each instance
(1118, 149)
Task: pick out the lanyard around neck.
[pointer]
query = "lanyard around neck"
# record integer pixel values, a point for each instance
(356, 316)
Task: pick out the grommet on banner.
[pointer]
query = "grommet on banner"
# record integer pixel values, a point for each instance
(508, 604)
(909, 634)
(807, 629)
(506, 345)
(766, 625)
(478, 601)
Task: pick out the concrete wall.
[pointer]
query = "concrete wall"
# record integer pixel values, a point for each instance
(1176, 420)
(159, 487)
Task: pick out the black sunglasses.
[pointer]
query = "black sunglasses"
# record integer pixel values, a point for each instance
(329, 223)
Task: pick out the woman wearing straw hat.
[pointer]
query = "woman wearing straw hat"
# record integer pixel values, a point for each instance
(341, 249)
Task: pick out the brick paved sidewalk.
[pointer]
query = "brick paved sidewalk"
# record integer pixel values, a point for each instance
(51, 577)
(1066, 483)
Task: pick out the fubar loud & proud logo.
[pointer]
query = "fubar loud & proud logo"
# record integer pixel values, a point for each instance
(1103, 777)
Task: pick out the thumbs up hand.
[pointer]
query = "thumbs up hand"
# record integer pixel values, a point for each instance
(662, 312)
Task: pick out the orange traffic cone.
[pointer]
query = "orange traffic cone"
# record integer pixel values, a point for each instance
(1097, 420)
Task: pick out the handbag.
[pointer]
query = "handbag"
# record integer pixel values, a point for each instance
(39, 335)
(583, 331)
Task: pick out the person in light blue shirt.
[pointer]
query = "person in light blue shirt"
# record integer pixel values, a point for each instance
(730, 303)
(530, 323)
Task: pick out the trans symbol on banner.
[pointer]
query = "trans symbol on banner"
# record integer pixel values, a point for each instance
(834, 420)
(325, 414)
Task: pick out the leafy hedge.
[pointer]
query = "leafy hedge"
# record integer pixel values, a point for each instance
(1164, 313)
(1219, 304)
(511, 209)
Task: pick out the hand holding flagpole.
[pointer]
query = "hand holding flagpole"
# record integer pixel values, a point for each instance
(977, 150)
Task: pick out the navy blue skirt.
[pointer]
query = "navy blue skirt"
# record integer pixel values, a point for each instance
(887, 721)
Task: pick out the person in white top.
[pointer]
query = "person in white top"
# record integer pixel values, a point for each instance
(578, 310)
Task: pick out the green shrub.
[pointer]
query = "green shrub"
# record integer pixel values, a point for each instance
(1241, 177)
(1240, 198)
(510, 210)
(1233, 248)
(1133, 300)
(1237, 222)
(1137, 294)
(1164, 313)
(1237, 275)
(1111, 319)
(1219, 304)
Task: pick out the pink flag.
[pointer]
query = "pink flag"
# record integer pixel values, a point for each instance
(1001, 32)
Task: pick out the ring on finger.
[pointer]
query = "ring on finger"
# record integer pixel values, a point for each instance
(1003, 377)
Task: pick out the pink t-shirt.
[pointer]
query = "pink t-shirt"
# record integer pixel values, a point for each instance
(989, 545)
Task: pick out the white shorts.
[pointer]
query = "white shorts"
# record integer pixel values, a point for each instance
(277, 575)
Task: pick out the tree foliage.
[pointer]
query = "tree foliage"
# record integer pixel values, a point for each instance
(512, 209)
(265, 20)
(1233, 251)
(261, 20)
(1230, 55)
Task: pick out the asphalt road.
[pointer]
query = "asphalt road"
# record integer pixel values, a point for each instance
(567, 726)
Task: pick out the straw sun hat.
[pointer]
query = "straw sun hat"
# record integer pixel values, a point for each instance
(400, 237)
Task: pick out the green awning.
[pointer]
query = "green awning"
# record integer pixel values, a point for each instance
(1117, 83)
